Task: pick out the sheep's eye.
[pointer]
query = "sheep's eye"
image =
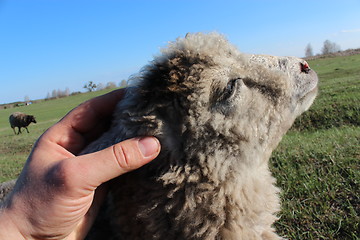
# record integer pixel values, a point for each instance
(304, 67)
(221, 97)
(231, 85)
(230, 88)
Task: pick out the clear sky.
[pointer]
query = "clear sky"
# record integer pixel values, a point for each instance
(58, 44)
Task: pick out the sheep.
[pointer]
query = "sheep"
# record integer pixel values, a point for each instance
(6, 188)
(19, 120)
(218, 114)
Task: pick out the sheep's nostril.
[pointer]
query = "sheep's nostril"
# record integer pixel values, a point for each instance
(304, 67)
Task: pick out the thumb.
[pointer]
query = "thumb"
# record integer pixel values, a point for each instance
(104, 165)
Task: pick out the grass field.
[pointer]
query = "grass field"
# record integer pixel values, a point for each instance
(317, 164)
(14, 149)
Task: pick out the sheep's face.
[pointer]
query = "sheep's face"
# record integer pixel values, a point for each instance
(285, 85)
(256, 98)
(30, 119)
(302, 80)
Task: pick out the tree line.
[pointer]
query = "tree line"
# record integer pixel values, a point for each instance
(328, 47)
(89, 86)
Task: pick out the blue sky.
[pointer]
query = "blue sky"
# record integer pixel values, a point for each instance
(58, 44)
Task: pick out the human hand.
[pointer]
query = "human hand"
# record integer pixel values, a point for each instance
(57, 195)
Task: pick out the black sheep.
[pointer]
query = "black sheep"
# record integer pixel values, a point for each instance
(19, 120)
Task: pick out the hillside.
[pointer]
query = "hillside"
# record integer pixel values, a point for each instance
(317, 164)
(345, 53)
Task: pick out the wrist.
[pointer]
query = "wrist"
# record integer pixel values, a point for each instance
(8, 229)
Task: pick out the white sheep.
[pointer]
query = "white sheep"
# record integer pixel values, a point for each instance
(218, 114)
(19, 120)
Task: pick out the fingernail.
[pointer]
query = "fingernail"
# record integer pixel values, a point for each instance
(149, 146)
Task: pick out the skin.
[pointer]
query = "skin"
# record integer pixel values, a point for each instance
(58, 193)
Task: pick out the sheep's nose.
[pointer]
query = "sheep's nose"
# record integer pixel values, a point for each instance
(305, 67)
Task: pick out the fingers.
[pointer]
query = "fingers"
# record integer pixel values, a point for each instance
(99, 167)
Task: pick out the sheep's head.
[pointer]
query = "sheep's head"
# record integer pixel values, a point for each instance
(207, 97)
(30, 119)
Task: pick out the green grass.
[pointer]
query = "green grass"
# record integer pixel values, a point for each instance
(319, 175)
(317, 164)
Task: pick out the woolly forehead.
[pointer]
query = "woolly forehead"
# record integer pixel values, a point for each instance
(201, 46)
(225, 59)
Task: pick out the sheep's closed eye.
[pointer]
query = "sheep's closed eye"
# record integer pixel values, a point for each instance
(231, 88)
(222, 96)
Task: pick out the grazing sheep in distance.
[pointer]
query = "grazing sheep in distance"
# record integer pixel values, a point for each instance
(19, 120)
(218, 114)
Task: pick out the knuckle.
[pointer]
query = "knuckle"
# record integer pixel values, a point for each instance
(122, 156)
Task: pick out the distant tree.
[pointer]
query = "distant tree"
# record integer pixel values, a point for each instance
(123, 83)
(330, 47)
(67, 92)
(59, 93)
(75, 93)
(309, 51)
(110, 85)
(54, 94)
(26, 99)
(90, 86)
(99, 87)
